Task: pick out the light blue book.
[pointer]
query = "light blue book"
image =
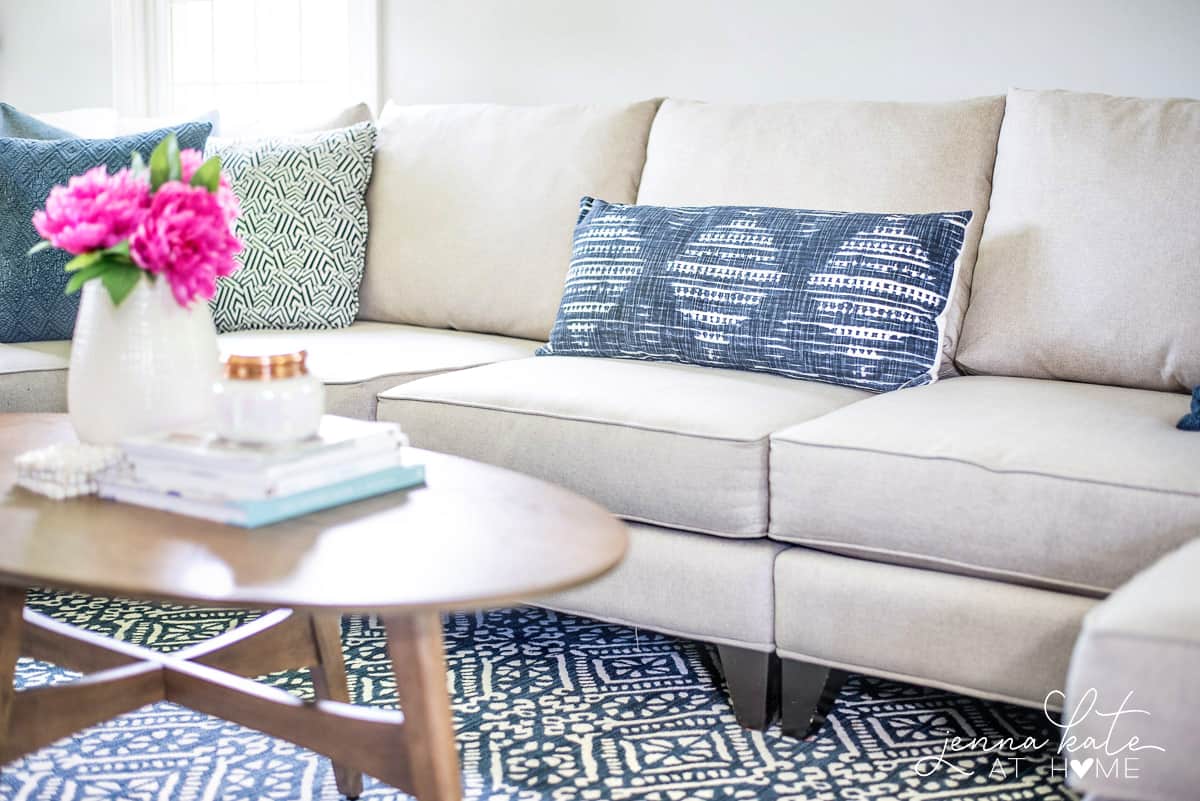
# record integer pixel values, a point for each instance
(255, 513)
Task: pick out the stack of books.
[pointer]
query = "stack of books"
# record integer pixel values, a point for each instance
(196, 473)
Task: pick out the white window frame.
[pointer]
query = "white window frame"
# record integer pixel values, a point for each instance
(142, 58)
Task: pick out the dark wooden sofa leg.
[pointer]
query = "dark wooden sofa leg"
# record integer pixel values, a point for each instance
(753, 681)
(808, 692)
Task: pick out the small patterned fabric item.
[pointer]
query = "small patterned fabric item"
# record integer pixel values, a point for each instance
(32, 304)
(304, 225)
(840, 297)
(19, 125)
(1191, 421)
(66, 470)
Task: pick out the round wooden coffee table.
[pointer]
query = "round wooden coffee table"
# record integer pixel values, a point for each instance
(474, 536)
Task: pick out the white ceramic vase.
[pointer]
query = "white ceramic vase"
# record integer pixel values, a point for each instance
(146, 365)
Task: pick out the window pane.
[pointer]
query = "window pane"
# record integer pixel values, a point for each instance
(325, 34)
(239, 105)
(234, 26)
(264, 64)
(193, 99)
(191, 42)
(278, 40)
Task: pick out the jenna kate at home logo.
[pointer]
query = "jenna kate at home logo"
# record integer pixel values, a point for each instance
(1118, 753)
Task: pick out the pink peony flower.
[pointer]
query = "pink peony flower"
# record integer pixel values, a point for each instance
(94, 210)
(187, 238)
(190, 161)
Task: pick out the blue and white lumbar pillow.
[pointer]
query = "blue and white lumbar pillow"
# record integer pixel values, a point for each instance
(847, 298)
(304, 226)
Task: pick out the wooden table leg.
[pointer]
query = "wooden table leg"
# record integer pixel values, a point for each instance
(419, 662)
(206, 677)
(12, 610)
(329, 684)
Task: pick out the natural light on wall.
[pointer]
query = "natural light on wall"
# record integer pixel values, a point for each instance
(261, 63)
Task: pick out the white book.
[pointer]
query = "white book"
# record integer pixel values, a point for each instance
(339, 438)
(254, 513)
(194, 482)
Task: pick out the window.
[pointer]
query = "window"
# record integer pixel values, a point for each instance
(256, 61)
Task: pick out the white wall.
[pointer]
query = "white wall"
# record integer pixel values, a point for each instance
(55, 54)
(537, 51)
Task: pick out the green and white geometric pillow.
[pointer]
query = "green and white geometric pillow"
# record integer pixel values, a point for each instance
(304, 226)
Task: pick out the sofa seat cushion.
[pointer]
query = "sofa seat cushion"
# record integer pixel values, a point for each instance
(359, 362)
(674, 445)
(1072, 486)
(33, 376)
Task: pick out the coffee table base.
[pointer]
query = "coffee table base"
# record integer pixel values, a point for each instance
(412, 750)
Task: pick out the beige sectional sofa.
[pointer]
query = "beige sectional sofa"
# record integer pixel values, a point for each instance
(953, 535)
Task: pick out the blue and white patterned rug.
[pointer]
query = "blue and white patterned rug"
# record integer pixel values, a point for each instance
(548, 707)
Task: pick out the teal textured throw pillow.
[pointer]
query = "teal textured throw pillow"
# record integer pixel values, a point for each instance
(32, 304)
(304, 225)
(19, 125)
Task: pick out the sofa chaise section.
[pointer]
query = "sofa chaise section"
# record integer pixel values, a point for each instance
(1140, 649)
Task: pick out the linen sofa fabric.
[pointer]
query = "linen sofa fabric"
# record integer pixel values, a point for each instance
(472, 208)
(686, 585)
(304, 227)
(845, 298)
(1070, 486)
(913, 158)
(1143, 638)
(638, 437)
(32, 304)
(990, 639)
(33, 377)
(1086, 269)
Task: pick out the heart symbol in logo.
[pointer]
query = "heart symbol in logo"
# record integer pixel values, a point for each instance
(1082, 766)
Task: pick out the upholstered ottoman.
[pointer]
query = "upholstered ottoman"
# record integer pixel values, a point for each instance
(1139, 651)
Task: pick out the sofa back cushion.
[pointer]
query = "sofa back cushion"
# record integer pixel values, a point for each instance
(1089, 267)
(913, 158)
(472, 208)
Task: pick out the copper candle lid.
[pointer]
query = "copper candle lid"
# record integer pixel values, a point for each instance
(266, 367)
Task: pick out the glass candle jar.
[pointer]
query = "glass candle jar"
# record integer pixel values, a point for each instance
(268, 399)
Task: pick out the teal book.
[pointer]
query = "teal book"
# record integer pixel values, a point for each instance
(255, 513)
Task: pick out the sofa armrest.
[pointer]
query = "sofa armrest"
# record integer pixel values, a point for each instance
(1135, 673)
